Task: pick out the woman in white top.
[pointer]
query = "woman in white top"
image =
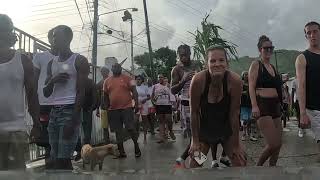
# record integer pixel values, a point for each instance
(161, 97)
(143, 97)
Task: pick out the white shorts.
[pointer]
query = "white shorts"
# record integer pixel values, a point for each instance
(314, 116)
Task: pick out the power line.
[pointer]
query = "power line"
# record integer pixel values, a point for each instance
(190, 6)
(75, 1)
(38, 5)
(27, 21)
(228, 31)
(54, 8)
(176, 5)
(54, 12)
(42, 33)
(87, 4)
(178, 36)
(125, 40)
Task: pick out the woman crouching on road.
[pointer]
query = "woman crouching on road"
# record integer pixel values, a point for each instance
(215, 107)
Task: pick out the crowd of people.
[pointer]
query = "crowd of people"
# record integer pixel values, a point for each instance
(212, 103)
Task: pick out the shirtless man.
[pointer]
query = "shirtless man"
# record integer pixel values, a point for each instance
(181, 76)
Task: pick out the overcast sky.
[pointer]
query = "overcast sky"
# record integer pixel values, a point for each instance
(171, 20)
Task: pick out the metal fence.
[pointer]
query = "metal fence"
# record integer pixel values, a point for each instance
(31, 45)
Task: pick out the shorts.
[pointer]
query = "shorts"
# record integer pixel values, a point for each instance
(314, 116)
(163, 109)
(143, 109)
(104, 118)
(60, 117)
(245, 114)
(118, 118)
(14, 150)
(269, 106)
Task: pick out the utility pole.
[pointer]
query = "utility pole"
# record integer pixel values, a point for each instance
(148, 37)
(95, 38)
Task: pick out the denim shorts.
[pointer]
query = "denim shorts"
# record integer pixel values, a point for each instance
(61, 116)
(245, 114)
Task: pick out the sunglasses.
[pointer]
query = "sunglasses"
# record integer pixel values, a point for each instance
(269, 48)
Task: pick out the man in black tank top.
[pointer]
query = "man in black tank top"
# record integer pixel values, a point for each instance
(215, 107)
(307, 70)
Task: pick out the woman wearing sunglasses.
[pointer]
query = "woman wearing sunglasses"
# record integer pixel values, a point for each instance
(265, 93)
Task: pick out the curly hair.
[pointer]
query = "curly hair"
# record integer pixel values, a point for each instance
(263, 39)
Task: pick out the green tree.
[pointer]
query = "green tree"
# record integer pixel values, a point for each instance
(208, 36)
(164, 59)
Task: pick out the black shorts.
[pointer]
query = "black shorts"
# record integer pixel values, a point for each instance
(118, 118)
(163, 109)
(269, 106)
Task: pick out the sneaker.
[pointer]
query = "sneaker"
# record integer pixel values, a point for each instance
(300, 133)
(285, 130)
(172, 136)
(225, 161)
(243, 138)
(179, 160)
(214, 164)
(121, 156)
(137, 151)
(252, 138)
(77, 157)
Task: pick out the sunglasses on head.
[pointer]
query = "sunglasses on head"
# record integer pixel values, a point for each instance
(269, 48)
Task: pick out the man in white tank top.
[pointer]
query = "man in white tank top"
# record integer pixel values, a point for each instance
(65, 84)
(16, 74)
(40, 63)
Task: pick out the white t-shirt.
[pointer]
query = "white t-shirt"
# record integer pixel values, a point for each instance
(40, 61)
(162, 94)
(143, 92)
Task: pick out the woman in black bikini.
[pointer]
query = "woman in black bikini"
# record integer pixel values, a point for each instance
(265, 93)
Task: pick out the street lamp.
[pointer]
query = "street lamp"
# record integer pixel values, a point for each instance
(132, 9)
(128, 16)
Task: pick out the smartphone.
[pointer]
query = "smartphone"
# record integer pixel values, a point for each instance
(200, 159)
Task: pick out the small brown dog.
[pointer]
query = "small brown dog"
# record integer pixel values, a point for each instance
(95, 155)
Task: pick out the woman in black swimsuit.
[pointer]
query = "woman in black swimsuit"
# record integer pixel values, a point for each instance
(266, 95)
